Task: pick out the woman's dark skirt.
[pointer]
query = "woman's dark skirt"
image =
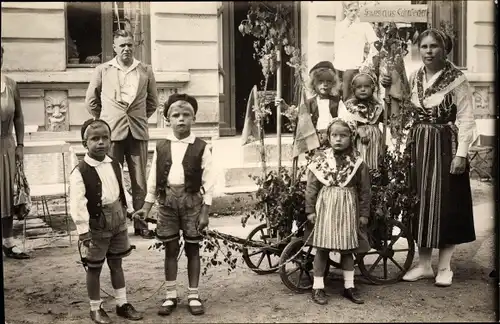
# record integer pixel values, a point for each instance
(445, 213)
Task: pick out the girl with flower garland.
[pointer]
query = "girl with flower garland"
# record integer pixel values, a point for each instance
(365, 110)
(338, 204)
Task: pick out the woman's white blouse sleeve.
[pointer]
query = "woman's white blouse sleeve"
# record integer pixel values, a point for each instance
(467, 131)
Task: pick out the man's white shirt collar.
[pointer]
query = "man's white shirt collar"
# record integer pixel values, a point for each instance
(114, 62)
(188, 140)
(94, 163)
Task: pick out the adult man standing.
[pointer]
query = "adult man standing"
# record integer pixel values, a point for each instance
(351, 37)
(123, 93)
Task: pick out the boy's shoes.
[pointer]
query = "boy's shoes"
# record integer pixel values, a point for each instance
(352, 295)
(168, 309)
(128, 311)
(319, 296)
(196, 309)
(99, 316)
(145, 233)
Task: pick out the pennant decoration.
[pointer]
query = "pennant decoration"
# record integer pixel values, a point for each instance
(251, 130)
(306, 138)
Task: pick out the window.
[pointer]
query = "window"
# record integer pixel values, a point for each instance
(451, 16)
(90, 26)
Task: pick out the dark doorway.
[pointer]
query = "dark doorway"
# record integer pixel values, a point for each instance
(248, 71)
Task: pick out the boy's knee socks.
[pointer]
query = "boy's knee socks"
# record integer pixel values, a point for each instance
(95, 305)
(318, 283)
(171, 292)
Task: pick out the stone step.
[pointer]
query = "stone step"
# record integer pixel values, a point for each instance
(241, 176)
(251, 152)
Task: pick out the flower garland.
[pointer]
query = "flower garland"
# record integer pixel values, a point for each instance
(335, 168)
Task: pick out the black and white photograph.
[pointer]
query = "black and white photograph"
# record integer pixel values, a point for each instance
(249, 162)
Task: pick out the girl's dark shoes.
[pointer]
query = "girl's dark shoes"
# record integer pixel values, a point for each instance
(9, 252)
(167, 310)
(99, 316)
(128, 311)
(319, 296)
(352, 295)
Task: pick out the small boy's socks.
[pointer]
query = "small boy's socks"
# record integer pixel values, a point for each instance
(318, 283)
(193, 293)
(121, 296)
(95, 305)
(171, 293)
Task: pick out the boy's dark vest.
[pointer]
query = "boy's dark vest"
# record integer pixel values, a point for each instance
(311, 106)
(93, 187)
(191, 164)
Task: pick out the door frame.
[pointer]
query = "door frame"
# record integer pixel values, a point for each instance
(227, 100)
(227, 105)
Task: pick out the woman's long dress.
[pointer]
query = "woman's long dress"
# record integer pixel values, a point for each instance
(445, 200)
(7, 147)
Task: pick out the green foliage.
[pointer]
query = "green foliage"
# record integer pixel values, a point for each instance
(280, 200)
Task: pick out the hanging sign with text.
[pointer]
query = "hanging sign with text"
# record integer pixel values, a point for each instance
(403, 13)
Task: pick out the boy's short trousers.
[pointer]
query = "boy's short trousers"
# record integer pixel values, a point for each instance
(180, 211)
(109, 237)
(113, 247)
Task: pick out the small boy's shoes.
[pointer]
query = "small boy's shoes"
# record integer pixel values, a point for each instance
(352, 295)
(128, 311)
(444, 278)
(100, 316)
(167, 308)
(319, 296)
(418, 273)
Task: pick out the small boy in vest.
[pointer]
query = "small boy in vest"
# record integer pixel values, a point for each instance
(98, 208)
(182, 180)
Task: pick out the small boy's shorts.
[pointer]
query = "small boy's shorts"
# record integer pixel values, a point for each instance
(180, 211)
(113, 247)
(111, 240)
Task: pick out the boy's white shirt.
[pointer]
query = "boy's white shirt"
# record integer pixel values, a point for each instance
(176, 174)
(77, 199)
(324, 116)
(350, 42)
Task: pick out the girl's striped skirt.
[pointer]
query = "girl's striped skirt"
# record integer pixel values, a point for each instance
(445, 200)
(336, 219)
(371, 152)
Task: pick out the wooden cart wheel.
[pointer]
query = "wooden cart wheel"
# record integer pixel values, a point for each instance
(297, 273)
(261, 260)
(392, 259)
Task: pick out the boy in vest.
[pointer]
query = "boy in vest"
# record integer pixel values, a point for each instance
(98, 208)
(182, 180)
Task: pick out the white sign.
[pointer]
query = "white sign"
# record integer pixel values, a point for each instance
(403, 13)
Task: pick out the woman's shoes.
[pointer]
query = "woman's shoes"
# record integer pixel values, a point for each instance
(444, 278)
(11, 253)
(418, 273)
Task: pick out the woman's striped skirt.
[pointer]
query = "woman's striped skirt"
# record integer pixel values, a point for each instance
(445, 200)
(371, 151)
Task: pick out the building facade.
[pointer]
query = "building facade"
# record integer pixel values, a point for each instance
(51, 49)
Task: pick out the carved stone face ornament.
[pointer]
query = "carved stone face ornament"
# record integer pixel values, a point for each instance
(56, 109)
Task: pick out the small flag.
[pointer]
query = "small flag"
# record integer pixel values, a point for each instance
(306, 138)
(251, 130)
